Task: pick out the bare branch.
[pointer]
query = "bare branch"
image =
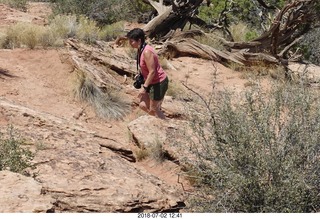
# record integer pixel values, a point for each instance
(263, 4)
(159, 6)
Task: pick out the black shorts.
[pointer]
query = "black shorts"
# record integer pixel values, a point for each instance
(157, 91)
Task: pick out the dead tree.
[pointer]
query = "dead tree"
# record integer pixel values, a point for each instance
(290, 24)
(97, 60)
(263, 4)
(171, 17)
(295, 19)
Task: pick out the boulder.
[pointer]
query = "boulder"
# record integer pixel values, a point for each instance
(309, 73)
(149, 131)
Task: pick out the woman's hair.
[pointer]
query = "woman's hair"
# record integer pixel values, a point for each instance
(136, 34)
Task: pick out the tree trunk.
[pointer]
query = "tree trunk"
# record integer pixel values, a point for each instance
(294, 20)
(95, 62)
(170, 18)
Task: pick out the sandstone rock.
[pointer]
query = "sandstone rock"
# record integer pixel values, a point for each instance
(86, 172)
(149, 131)
(100, 182)
(310, 73)
(22, 194)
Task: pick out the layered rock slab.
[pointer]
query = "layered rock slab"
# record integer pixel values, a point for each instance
(75, 167)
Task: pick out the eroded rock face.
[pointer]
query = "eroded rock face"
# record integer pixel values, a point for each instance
(22, 194)
(147, 131)
(85, 178)
(174, 136)
(81, 170)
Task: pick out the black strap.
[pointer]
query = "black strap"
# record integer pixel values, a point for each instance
(139, 54)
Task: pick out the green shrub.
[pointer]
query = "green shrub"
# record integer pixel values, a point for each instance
(31, 35)
(60, 28)
(310, 46)
(242, 33)
(23, 34)
(49, 38)
(76, 7)
(112, 31)
(64, 26)
(13, 36)
(250, 35)
(87, 30)
(103, 12)
(19, 4)
(12, 155)
(245, 11)
(258, 152)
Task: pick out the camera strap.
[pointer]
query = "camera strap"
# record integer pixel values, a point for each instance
(139, 55)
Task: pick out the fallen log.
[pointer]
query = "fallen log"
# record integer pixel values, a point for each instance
(95, 73)
(104, 55)
(190, 47)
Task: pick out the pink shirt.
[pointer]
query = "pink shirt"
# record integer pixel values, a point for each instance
(160, 74)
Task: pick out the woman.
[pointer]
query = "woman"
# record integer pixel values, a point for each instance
(155, 79)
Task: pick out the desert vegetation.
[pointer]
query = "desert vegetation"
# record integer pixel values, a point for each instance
(257, 151)
(107, 103)
(260, 154)
(14, 156)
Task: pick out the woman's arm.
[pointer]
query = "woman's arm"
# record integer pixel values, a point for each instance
(149, 58)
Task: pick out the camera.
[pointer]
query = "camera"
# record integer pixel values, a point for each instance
(139, 81)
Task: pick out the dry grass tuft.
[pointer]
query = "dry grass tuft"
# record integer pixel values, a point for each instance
(142, 154)
(108, 104)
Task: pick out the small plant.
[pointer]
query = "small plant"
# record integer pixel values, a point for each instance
(87, 30)
(242, 33)
(64, 26)
(157, 152)
(110, 32)
(13, 37)
(142, 154)
(12, 155)
(48, 38)
(31, 35)
(108, 104)
(154, 151)
(23, 34)
(40, 146)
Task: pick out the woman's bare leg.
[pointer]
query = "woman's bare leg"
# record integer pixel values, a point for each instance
(144, 103)
(155, 109)
(152, 107)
